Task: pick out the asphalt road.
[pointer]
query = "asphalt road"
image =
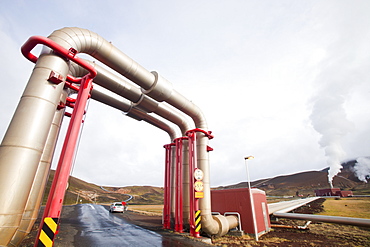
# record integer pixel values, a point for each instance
(92, 225)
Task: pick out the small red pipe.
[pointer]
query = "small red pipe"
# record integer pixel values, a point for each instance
(73, 79)
(71, 86)
(71, 100)
(70, 54)
(206, 133)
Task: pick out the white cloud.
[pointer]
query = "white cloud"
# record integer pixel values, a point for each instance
(252, 67)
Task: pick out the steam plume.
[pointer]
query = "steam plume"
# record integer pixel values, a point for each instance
(329, 119)
(362, 168)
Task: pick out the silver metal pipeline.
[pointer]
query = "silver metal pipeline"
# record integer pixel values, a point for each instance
(125, 106)
(212, 225)
(125, 89)
(35, 198)
(156, 87)
(325, 218)
(24, 141)
(110, 81)
(85, 41)
(120, 86)
(140, 115)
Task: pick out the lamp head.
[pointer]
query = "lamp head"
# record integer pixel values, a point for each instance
(249, 157)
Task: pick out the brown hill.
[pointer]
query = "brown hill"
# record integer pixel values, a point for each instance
(80, 191)
(305, 183)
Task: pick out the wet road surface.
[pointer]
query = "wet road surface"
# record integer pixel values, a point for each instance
(93, 225)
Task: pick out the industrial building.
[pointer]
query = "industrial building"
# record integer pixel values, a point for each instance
(250, 206)
(333, 192)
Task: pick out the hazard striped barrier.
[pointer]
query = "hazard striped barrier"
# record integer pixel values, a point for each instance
(198, 218)
(48, 231)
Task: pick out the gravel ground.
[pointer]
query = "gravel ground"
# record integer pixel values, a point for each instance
(318, 234)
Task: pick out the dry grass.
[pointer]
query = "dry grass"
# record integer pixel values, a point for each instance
(357, 207)
(156, 209)
(318, 234)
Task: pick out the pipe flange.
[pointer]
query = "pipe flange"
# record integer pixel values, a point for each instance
(223, 224)
(161, 89)
(146, 104)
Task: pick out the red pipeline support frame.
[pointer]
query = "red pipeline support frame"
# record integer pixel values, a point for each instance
(194, 202)
(167, 187)
(179, 193)
(54, 204)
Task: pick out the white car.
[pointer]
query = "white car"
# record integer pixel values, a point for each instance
(117, 207)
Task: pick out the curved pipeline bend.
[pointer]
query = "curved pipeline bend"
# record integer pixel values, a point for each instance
(121, 87)
(156, 87)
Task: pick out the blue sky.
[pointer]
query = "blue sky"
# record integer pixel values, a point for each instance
(265, 74)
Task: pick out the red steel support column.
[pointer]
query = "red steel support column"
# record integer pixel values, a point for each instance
(167, 188)
(179, 193)
(194, 202)
(59, 185)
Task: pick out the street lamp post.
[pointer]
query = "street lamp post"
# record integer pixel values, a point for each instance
(251, 198)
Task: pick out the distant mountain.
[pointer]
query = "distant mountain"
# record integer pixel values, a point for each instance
(302, 183)
(79, 191)
(305, 183)
(347, 171)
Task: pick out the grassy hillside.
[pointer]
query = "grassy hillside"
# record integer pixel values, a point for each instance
(304, 183)
(80, 191)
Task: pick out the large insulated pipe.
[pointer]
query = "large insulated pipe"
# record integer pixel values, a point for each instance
(123, 88)
(150, 105)
(156, 87)
(126, 106)
(110, 81)
(24, 141)
(120, 86)
(325, 218)
(128, 93)
(35, 198)
(212, 225)
(85, 41)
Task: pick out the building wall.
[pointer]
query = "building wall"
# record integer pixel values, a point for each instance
(333, 192)
(327, 192)
(345, 193)
(238, 200)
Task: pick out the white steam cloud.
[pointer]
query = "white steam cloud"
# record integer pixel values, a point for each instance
(329, 119)
(362, 168)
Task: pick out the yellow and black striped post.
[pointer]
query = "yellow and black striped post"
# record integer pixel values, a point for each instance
(47, 232)
(197, 220)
